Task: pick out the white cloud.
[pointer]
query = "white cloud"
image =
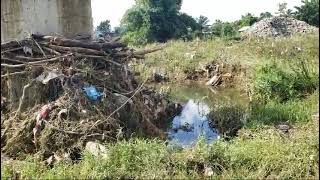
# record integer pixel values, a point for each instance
(225, 10)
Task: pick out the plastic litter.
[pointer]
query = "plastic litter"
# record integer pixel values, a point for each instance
(92, 93)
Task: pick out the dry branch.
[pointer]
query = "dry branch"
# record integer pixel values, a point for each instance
(14, 44)
(22, 98)
(84, 118)
(12, 74)
(52, 51)
(32, 58)
(35, 62)
(10, 50)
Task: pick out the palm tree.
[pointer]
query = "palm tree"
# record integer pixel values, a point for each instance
(203, 23)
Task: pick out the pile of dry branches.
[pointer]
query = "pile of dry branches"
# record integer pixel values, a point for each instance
(45, 109)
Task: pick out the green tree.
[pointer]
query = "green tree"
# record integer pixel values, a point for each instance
(308, 12)
(187, 27)
(203, 22)
(118, 30)
(264, 15)
(203, 27)
(247, 20)
(217, 27)
(104, 27)
(223, 29)
(283, 11)
(228, 30)
(155, 20)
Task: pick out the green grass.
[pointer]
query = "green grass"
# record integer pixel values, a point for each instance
(266, 153)
(278, 81)
(247, 55)
(294, 111)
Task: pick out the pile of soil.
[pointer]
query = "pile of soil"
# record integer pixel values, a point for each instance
(57, 94)
(278, 27)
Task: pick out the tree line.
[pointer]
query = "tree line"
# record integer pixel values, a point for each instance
(161, 20)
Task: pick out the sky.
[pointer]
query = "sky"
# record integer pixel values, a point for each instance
(225, 10)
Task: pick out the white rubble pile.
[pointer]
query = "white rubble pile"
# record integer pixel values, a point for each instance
(278, 27)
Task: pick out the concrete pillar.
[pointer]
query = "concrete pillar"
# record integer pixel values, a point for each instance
(19, 18)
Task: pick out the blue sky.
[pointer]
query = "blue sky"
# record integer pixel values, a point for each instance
(225, 10)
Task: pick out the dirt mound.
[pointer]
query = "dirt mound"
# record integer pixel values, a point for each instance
(277, 27)
(57, 94)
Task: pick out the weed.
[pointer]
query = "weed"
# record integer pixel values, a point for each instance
(227, 119)
(273, 82)
(254, 154)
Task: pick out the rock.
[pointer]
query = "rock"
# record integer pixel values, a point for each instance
(208, 172)
(283, 127)
(215, 80)
(57, 157)
(158, 77)
(186, 127)
(96, 149)
(315, 117)
(227, 75)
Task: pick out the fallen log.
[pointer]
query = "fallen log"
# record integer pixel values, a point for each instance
(138, 54)
(62, 49)
(76, 43)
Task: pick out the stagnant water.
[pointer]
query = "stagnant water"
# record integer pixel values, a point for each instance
(193, 121)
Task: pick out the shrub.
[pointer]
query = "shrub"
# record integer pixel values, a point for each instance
(274, 82)
(292, 111)
(227, 119)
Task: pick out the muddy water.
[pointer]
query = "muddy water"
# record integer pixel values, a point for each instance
(198, 99)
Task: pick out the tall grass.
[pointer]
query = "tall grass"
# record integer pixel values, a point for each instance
(277, 81)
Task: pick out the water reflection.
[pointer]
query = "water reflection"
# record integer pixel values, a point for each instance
(190, 124)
